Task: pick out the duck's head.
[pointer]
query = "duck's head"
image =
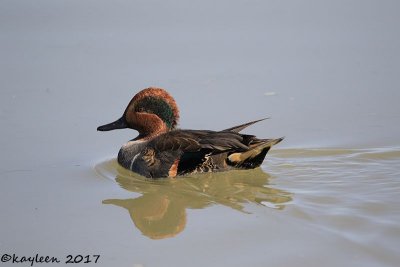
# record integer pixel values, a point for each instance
(152, 111)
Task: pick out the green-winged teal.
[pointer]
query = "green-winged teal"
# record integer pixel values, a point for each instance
(162, 150)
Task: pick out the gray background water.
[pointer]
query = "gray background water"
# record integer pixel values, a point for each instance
(332, 65)
(325, 71)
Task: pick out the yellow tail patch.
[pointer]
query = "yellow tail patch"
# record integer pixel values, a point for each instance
(235, 157)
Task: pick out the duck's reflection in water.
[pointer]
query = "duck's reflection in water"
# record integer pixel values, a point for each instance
(161, 210)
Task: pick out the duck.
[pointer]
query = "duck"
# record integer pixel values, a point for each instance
(162, 150)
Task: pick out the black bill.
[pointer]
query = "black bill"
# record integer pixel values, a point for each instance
(118, 124)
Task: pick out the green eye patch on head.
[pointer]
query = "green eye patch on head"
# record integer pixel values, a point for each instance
(157, 106)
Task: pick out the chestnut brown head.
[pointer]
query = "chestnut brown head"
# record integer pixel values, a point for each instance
(151, 111)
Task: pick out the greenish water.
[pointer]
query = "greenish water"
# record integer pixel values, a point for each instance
(160, 210)
(344, 200)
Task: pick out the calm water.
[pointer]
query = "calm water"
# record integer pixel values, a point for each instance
(325, 72)
(335, 207)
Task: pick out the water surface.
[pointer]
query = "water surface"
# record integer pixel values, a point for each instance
(344, 201)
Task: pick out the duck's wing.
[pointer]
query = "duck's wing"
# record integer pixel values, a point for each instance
(197, 140)
(185, 151)
(239, 128)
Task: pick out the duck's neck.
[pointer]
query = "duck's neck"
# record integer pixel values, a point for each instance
(150, 127)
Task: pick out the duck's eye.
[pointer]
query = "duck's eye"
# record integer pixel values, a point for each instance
(140, 109)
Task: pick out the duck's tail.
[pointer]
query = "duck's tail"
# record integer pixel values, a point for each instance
(253, 157)
(240, 127)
